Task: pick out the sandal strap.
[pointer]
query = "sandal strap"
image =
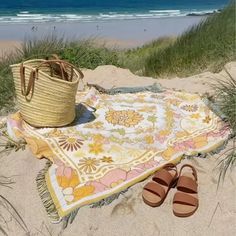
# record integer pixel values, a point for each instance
(190, 166)
(169, 166)
(185, 199)
(163, 176)
(187, 184)
(155, 188)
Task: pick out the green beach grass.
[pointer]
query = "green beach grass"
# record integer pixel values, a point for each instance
(135, 59)
(226, 101)
(206, 46)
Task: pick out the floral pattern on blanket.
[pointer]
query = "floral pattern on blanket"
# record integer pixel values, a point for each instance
(118, 140)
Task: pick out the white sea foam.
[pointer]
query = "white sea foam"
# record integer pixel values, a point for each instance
(24, 12)
(168, 11)
(27, 17)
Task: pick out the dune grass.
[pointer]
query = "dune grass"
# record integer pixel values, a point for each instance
(135, 59)
(87, 54)
(7, 91)
(7, 209)
(206, 46)
(226, 101)
(82, 53)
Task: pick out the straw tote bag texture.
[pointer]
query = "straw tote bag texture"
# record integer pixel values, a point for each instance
(45, 91)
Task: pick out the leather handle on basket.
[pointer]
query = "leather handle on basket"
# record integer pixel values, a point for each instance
(33, 74)
(64, 74)
(63, 69)
(62, 65)
(25, 91)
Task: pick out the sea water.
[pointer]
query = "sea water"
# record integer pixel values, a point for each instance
(29, 11)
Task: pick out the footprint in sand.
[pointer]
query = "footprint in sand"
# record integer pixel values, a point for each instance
(92, 230)
(125, 207)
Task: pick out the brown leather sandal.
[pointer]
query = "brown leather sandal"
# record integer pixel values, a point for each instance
(155, 192)
(185, 201)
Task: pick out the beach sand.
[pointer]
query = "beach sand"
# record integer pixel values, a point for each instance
(139, 31)
(8, 46)
(120, 34)
(127, 215)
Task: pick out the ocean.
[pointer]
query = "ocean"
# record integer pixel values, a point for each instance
(31, 11)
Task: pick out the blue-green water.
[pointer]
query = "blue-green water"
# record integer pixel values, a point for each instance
(23, 11)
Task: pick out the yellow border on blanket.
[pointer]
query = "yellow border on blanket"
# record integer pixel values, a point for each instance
(139, 179)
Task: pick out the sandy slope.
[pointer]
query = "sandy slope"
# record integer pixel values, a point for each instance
(6, 47)
(127, 215)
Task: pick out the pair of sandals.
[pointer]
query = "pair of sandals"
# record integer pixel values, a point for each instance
(185, 201)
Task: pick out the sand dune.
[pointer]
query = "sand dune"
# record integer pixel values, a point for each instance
(127, 215)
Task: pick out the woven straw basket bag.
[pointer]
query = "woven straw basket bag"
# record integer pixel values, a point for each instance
(45, 91)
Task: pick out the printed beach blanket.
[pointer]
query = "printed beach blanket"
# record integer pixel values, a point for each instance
(117, 141)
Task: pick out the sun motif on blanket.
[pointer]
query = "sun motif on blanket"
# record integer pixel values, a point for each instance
(88, 165)
(207, 119)
(70, 143)
(107, 159)
(190, 108)
(125, 118)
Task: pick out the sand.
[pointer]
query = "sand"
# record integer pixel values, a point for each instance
(140, 31)
(121, 34)
(127, 215)
(8, 46)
